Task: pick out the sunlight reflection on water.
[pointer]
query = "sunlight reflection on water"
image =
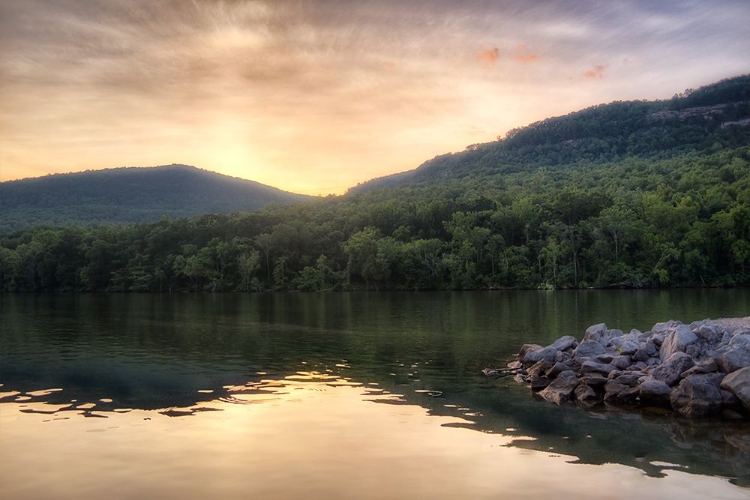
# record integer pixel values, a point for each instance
(310, 434)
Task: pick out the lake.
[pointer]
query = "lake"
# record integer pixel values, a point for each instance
(336, 396)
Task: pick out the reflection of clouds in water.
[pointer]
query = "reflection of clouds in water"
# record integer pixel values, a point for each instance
(305, 437)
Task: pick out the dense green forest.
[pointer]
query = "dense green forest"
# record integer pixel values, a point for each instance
(629, 194)
(127, 195)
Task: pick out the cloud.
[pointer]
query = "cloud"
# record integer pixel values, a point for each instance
(596, 72)
(488, 56)
(522, 54)
(377, 84)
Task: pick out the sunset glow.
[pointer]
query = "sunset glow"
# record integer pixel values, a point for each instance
(317, 96)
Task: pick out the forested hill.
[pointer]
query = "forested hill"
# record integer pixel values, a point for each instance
(631, 194)
(710, 118)
(127, 195)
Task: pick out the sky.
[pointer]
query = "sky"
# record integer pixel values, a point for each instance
(317, 96)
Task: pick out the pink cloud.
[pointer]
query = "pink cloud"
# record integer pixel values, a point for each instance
(523, 54)
(597, 72)
(489, 56)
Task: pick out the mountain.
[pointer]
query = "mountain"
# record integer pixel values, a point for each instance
(127, 195)
(623, 195)
(713, 117)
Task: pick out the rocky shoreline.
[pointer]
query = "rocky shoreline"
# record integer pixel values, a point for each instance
(697, 370)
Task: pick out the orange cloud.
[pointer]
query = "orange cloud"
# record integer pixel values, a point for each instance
(597, 72)
(523, 54)
(489, 56)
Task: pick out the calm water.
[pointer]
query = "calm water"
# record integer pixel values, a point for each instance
(344, 395)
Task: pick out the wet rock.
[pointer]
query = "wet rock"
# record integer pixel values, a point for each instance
(705, 366)
(738, 383)
(565, 343)
(629, 379)
(538, 383)
(627, 345)
(615, 392)
(670, 371)
(730, 401)
(546, 353)
(593, 380)
(594, 367)
(697, 396)
(527, 348)
(585, 395)
(563, 356)
(621, 362)
(708, 333)
(605, 358)
(654, 392)
(539, 368)
(640, 365)
(648, 350)
(588, 349)
(595, 333)
(561, 389)
(514, 365)
(734, 358)
(677, 340)
(556, 370)
(662, 328)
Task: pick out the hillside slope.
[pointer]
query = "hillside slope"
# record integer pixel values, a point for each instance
(705, 120)
(127, 195)
(622, 195)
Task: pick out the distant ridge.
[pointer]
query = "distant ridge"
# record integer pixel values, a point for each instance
(130, 194)
(697, 120)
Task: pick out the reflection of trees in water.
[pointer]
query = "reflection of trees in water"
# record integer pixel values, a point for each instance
(651, 441)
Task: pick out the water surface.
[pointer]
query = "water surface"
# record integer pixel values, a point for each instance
(350, 395)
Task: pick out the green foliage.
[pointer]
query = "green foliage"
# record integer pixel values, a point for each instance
(610, 197)
(128, 195)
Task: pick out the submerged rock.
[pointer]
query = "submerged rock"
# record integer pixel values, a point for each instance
(699, 370)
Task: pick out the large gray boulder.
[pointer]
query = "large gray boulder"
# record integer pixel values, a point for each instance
(594, 367)
(738, 383)
(669, 372)
(654, 392)
(677, 340)
(626, 344)
(546, 353)
(585, 395)
(663, 328)
(564, 343)
(615, 392)
(561, 389)
(527, 348)
(648, 350)
(697, 396)
(588, 349)
(595, 332)
(736, 356)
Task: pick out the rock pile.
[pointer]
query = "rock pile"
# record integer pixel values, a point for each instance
(697, 370)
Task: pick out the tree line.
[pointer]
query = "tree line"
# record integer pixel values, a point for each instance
(632, 222)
